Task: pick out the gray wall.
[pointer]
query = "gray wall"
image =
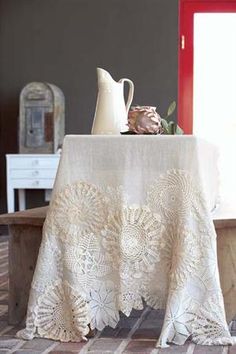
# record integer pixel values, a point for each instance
(63, 41)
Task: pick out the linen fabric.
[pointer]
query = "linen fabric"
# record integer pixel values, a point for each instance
(129, 223)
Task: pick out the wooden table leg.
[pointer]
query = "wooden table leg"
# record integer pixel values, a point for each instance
(24, 245)
(226, 247)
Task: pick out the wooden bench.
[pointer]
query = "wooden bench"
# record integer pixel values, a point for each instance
(25, 228)
(25, 234)
(226, 251)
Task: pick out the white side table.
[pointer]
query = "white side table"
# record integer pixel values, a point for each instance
(28, 171)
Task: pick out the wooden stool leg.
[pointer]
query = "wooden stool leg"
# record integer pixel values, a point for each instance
(226, 247)
(23, 252)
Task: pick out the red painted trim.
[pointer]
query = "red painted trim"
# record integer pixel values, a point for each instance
(187, 9)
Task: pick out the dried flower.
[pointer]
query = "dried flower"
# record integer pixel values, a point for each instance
(144, 120)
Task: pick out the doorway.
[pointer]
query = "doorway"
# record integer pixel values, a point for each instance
(207, 82)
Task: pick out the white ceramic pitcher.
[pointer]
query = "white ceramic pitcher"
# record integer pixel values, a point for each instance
(111, 110)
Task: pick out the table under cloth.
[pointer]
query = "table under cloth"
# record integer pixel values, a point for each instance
(129, 225)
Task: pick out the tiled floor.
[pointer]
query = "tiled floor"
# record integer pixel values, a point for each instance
(136, 334)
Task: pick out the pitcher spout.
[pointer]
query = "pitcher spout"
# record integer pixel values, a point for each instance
(104, 76)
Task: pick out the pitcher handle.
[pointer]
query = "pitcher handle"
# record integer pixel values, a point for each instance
(131, 93)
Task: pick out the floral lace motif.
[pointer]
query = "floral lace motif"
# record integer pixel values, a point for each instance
(132, 239)
(173, 195)
(80, 209)
(62, 314)
(100, 256)
(49, 269)
(210, 322)
(86, 261)
(181, 255)
(103, 305)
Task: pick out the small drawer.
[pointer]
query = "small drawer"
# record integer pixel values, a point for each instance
(33, 173)
(32, 183)
(33, 162)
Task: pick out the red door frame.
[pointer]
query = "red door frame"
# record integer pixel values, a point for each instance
(187, 9)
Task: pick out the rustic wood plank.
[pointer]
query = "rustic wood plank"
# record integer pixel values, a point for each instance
(24, 245)
(226, 248)
(35, 216)
(224, 216)
(224, 223)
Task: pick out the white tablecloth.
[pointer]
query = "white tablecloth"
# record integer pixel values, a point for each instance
(129, 222)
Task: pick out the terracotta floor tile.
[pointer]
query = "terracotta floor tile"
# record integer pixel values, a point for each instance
(147, 333)
(232, 350)
(175, 349)
(69, 347)
(105, 345)
(62, 352)
(8, 342)
(203, 349)
(38, 344)
(142, 347)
